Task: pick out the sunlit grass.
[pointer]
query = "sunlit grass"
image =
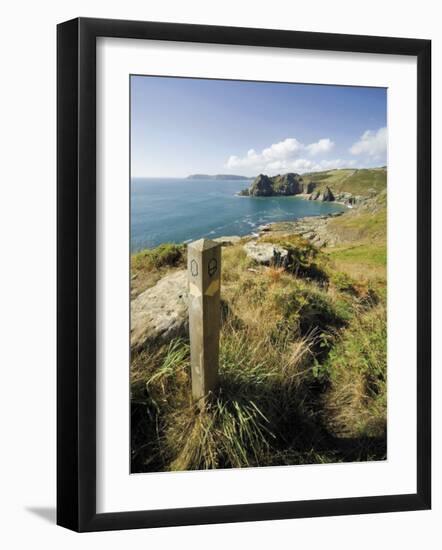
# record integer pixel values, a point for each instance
(302, 370)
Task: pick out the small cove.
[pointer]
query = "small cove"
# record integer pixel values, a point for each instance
(182, 210)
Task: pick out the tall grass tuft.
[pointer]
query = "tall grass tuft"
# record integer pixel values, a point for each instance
(302, 373)
(356, 405)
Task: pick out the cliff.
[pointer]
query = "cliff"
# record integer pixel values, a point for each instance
(347, 186)
(287, 184)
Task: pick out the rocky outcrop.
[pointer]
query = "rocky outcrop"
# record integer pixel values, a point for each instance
(328, 195)
(160, 313)
(267, 253)
(227, 241)
(315, 229)
(287, 184)
(262, 186)
(294, 184)
(308, 187)
(350, 200)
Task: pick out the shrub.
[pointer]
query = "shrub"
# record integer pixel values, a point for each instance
(167, 254)
(313, 310)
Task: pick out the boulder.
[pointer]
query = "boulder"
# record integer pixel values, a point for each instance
(160, 313)
(227, 241)
(267, 253)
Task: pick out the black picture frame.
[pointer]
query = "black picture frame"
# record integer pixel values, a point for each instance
(76, 274)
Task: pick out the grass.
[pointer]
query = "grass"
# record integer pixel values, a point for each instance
(303, 257)
(361, 226)
(362, 253)
(355, 181)
(167, 254)
(302, 353)
(149, 265)
(355, 404)
(365, 254)
(302, 363)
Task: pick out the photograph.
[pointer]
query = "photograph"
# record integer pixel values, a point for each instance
(221, 327)
(258, 274)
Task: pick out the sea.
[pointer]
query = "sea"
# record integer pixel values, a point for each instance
(182, 210)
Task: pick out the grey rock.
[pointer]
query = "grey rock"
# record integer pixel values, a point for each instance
(309, 187)
(328, 195)
(265, 228)
(286, 184)
(261, 187)
(160, 313)
(228, 241)
(267, 253)
(344, 197)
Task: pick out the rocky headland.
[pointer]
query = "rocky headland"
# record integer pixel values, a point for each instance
(307, 187)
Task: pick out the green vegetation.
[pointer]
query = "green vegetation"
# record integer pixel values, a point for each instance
(166, 254)
(355, 181)
(327, 185)
(362, 252)
(362, 227)
(302, 360)
(371, 255)
(357, 400)
(149, 265)
(303, 375)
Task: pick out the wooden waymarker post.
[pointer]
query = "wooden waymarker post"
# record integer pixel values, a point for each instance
(204, 274)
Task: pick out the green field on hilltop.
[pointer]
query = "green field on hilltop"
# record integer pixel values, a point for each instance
(355, 181)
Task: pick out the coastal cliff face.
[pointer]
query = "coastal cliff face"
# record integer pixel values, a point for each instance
(262, 186)
(287, 184)
(347, 186)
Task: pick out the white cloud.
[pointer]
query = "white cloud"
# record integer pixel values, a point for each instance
(372, 144)
(284, 156)
(324, 145)
(283, 150)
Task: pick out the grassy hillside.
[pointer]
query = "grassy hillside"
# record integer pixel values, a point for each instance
(363, 236)
(302, 355)
(357, 182)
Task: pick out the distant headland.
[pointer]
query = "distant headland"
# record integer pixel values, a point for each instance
(217, 177)
(346, 186)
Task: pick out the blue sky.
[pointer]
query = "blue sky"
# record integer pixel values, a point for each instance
(181, 126)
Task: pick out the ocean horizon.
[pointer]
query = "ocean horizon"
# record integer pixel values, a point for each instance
(181, 210)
